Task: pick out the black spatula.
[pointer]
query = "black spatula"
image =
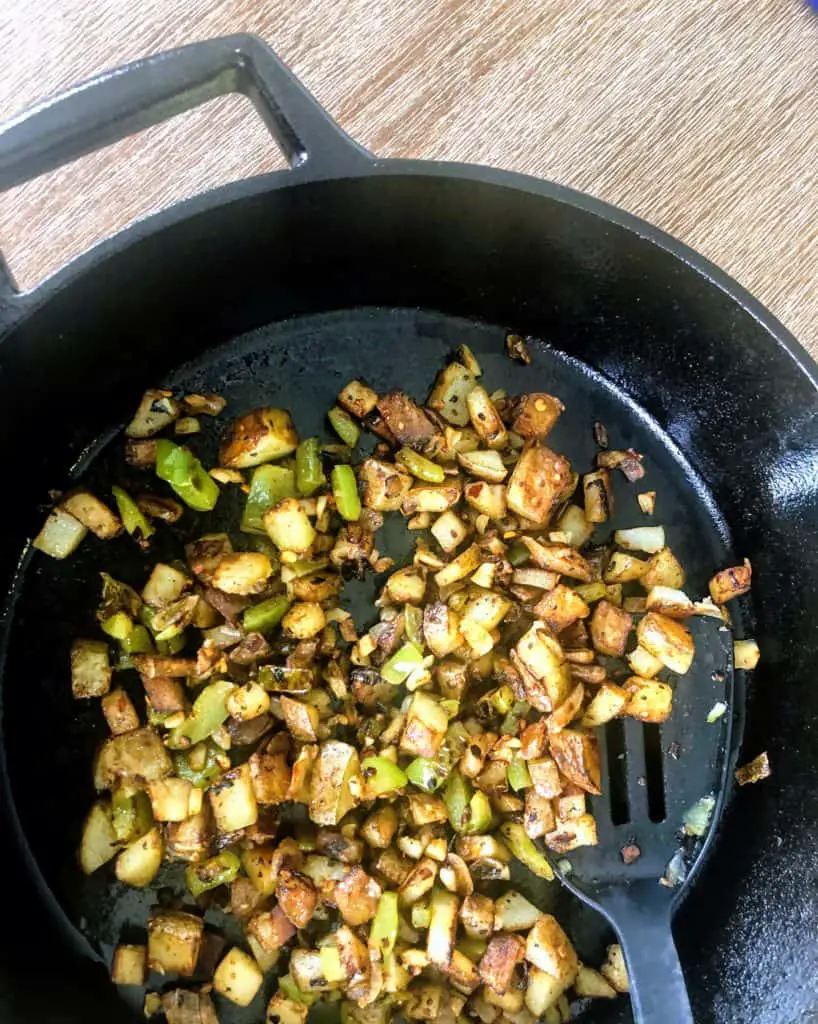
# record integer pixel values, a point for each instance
(653, 776)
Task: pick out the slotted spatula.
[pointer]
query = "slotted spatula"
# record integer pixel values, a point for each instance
(652, 776)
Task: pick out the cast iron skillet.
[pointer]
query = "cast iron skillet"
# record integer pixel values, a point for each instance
(280, 288)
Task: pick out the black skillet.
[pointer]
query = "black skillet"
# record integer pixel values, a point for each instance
(280, 288)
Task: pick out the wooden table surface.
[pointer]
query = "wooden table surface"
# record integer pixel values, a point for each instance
(699, 115)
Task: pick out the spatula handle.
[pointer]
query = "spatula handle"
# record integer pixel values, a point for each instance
(658, 989)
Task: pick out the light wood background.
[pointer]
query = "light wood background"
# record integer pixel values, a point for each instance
(700, 115)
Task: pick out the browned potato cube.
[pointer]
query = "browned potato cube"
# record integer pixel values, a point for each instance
(358, 398)
(233, 800)
(730, 583)
(166, 695)
(534, 415)
(505, 950)
(238, 977)
(559, 558)
(300, 718)
(259, 436)
(599, 497)
(383, 485)
(90, 669)
(129, 965)
(577, 757)
(610, 629)
(663, 570)
(550, 949)
(667, 640)
(570, 835)
(538, 816)
(120, 714)
(272, 929)
(408, 423)
(296, 897)
(174, 941)
(477, 916)
(419, 881)
(270, 776)
(649, 700)
(540, 482)
(545, 776)
(93, 514)
(357, 896)
(561, 607)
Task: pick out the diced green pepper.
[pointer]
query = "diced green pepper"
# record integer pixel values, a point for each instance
(119, 626)
(133, 518)
(180, 468)
(138, 641)
(517, 554)
(282, 679)
(381, 776)
(420, 467)
(420, 915)
(207, 714)
(331, 967)
(170, 645)
(590, 592)
(480, 815)
(199, 777)
(499, 701)
(268, 486)
(345, 492)
(402, 663)
(344, 426)
(219, 870)
(525, 851)
(472, 948)
(309, 473)
(413, 624)
(287, 985)
(384, 930)
(426, 774)
(518, 774)
(456, 797)
(265, 616)
(123, 815)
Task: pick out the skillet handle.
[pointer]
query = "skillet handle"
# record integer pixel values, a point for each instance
(129, 99)
(642, 920)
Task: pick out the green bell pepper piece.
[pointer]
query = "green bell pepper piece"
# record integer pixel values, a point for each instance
(331, 966)
(420, 467)
(119, 626)
(480, 815)
(472, 948)
(344, 426)
(518, 774)
(402, 663)
(138, 641)
(123, 815)
(309, 473)
(207, 714)
(287, 985)
(199, 777)
(384, 930)
(180, 468)
(381, 776)
(133, 518)
(518, 554)
(426, 774)
(170, 645)
(525, 851)
(268, 486)
(265, 616)
(456, 797)
(345, 492)
(413, 624)
(219, 870)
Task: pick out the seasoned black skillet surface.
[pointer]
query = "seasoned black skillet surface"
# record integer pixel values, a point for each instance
(301, 364)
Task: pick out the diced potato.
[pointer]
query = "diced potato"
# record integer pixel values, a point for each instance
(485, 419)
(233, 800)
(165, 585)
(93, 514)
(535, 414)
(300, 718)
(272, 929)
(243, 572)
(426, 726)
(538, 816)
(550, 949)
(542, 657)
(560, 608)
(182, 1006)
(542, 991)
(61, 534)
(614, 971)
(90, 669)
(730, 583)
(512, 1002)
(129, 965)
(286, 1011)
(425, 809)
(608, 702)
(488, 499)
(559, 558)
(641, 538)
(157, 410)
(358, 398)
(477, 915)
(513, 913)
(406, 586)
(408, 423)
(643, 663)
(610, 629)
(575, 526)
(99, 843)
(259, 436)
(599, 496)
(623, 567)
(462, 973)
(174, 941)
(487, 609)
(449, 531)
(380, 827)
(271, 776)
(424, 1000)
(545, 776)
(449, 394)
(663, 570)
(441, 629)
(540, 482)
(746, 654)
(357, 896)
(120, 714)
(383, 485)
(297, 897)
(139, 863)
(418, 882)
(668, 601)
(570, 835)
(335, 782)
(262, 864)
(190, 840)
(577, 757)
(486, 465)
(650, 701)
(304, 620)
(248, 702)
(308, 970)
(288, 526)
(431, 498)
(170, 799)
(497, 964)
(134, 758)
(353, 955)
(667, 640)
(460, 567)
(443, 910)
(590, 984)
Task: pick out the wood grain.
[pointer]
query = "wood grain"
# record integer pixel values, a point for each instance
(699, 115)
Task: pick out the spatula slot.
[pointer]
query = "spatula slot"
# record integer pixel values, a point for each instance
(617, 772)
(655, 772)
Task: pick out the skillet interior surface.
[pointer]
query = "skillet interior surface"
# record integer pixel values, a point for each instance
(302, 364)
(708, 373)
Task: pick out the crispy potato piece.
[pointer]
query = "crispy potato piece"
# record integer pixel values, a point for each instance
(289, 527)
(477, 916)
(259, 436)
(746, 654)
(532, 739)
(357, 896)
(590, 984)
(300, 718)
(545, 776)
(550, 949)
(90, 669)
(358, 398)
(560, 558)
(270, 776)
(485, 419)
(503, 953)
(233, 800)
(608, 702)
(541, 657)
(643, 663)
(486, 465)
(538, 816)
(153, 665)
(730, 583)
(533, 416)
(513, 913)
(418, 882)
(542, 993)
(649, 700)
(462, 973)
(120, 714)
(441, 629)
(157, 410)
(599, 496)
(568, 710)
(570, 835)
(443, 912)
(190, 839)
(449, 531)
(663, 570)
(668, 601)
(174, 941)
(448, 396)
(408, 423)
(540, 482)
(610, 628)
(560, 608)
(129, 966)
(614, 971)
(624, 567)
(383, 485)
(488, 499)
(243, 572)
(379, 827)
(297, 897)
(286, 1010)
(425, 728)
(238, 977)
(93, 514)
(335, 782)
(667, 640)
(320, 586)
(577, 757)
(272, 929)
(136, 758)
